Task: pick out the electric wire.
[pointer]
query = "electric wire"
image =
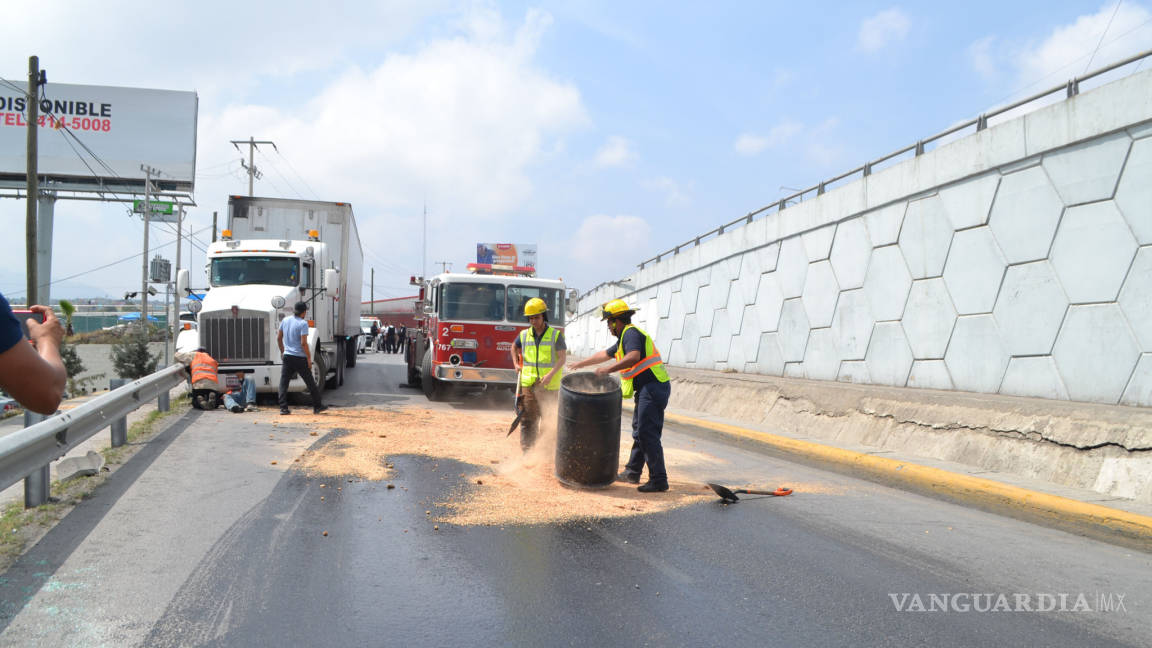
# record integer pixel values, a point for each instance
(1105, 33)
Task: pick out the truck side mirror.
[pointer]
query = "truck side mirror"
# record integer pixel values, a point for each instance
(332, 281)
(182, 281)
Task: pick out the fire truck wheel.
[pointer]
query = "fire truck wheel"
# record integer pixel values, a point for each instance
(433, 389)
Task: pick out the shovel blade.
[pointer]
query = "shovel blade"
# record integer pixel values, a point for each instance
(724, 493)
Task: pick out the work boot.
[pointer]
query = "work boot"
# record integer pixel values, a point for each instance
(322, 408)
(284, 411)
(653, 487)
(625, 476)
(236, 409)
(251, 408)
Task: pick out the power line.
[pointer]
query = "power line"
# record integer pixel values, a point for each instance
(293, 169)
(1101, 41)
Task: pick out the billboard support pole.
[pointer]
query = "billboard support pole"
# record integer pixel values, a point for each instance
(44, 221)
(33, 182)
(148, 171)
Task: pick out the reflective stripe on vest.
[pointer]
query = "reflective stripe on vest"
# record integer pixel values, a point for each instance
(204, 367)
(651, 361)
(538, 358)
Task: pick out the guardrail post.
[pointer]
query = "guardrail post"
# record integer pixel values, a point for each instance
(119, 427)
(981, 122)
(162, 402)
(920, 147)
(37, 483)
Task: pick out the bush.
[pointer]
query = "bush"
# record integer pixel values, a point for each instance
(130, 355)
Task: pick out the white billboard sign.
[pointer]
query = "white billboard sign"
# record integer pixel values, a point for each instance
(123, 127)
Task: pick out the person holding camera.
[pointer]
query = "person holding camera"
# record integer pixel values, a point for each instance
(33, 373)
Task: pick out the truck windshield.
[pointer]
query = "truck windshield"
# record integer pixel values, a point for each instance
(239, 271)
(463, 301)
(519, 295)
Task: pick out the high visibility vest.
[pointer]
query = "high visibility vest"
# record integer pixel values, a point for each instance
(538, 358)
(651, 360)
(204, 368)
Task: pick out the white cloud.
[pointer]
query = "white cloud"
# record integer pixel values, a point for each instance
(885, 27)
(752, 144)
(982, 57)
(612, 243)
(617, 151)
(674, 196)
(1068, 49)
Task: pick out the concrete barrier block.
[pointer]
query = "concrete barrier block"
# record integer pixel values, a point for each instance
(925, 237)
(1035, 377)
(1095, 353)
(981, 151)
(968, 203)
(974, 270)
(1139, 389)
(886, 283)
(1092, 252)
(929, 374)
(1125, 476)
(976, 357)
(769, 359)
(854, 371)
(1029, 309)
(852, 324)
(821, 357)
(800, 217)
(793, 330)
(820, 293)
(1134, 192)
(1099, 111)
(818, 243)
(900, 180)
(850, 252)
(1089, 171)
(1136, 298)
(1025, 214)
(928, 318)
(792, 268)
(889, 358)
(883, 224)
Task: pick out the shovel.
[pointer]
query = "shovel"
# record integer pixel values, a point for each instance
(729, 495)
(519, 408)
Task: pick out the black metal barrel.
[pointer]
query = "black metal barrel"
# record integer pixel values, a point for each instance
(588, 430)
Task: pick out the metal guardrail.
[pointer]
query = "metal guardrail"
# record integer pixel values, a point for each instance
(28, 453)
(1071, 88)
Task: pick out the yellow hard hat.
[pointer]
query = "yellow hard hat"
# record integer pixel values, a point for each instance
(534, 306)
(614, 308)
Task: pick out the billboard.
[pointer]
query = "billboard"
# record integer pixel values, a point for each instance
(513, 254)
(122, 127)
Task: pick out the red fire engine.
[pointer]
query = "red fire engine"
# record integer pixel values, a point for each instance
(467, 323)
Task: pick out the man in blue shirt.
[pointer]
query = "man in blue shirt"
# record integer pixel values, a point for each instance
(292, 338)
(33, 374)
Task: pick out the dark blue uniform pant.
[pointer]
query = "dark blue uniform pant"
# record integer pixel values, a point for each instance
(647, 428)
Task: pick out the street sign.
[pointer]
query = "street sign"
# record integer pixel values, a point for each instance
(157, 206)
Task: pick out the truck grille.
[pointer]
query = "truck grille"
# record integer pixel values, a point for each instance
(243, 338)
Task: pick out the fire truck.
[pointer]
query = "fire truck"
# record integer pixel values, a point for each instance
(467, 323)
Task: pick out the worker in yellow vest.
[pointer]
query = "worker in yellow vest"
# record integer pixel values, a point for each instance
(538, 353)
(643, 378)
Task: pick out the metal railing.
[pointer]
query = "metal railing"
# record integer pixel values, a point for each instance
(28, 453)
(1071, 88)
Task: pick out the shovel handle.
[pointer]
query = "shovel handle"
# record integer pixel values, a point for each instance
(779, 492)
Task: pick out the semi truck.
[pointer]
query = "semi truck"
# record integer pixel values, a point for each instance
(467, 324)
(273, 253)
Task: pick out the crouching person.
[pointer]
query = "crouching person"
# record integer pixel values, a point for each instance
(243, 398)
(202, 373)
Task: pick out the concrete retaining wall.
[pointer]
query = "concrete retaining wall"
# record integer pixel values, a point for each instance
(1017, 260)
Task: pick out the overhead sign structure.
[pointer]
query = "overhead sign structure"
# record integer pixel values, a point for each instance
(119, 129)
(509, 254)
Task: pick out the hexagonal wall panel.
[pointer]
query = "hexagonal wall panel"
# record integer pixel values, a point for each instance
(884, 224)
(1139, 389)
(821, 359)
(1134, 193)
(818, 243)
(974, 269)
(887, 283)
(1089, 171)
(1033, 376)
(1095, 353)
(851, 250)
(1030, 308)
(690, 336)
(769, 302)
(714, 348)
(712, 297)
(1136, 298)
(929, 374)
(745, 287)
(967, 203)
(820, 292)
(792, 267)
(1025, 214)
(664, 299)
(793, 330)
(852, 324)
(928, 318)
(769, 360)
(889, 358)
(976, 357)
(854, 371)
(925, 237)
(1092, 252)
(686, 297)
(746, 341)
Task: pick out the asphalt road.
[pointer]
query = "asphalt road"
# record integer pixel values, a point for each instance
(200, 540)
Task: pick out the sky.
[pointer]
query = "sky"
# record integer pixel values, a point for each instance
(603, 132)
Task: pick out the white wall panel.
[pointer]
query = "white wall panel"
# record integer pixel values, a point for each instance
(929, 318)
(929, 374)
(1035, 377)
(1134, 193)
(886, 283)
(1136, 298)
(793, 330)
(852, 324)
(1025, 214)
(1095, 352)
(851, 250)
(1030, 308)
(968, 203)
(889, 359)
(925, 237)
(792, 267)
(820, 292)
(974, 269)
(1092, 252)
(976, 357)
(1089, 171)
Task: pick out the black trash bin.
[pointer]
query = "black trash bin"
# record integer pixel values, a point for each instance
(588, 430)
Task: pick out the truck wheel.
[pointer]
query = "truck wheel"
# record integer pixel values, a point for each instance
(350, 351)
(334, 381)
(321, 369)
(433, 389)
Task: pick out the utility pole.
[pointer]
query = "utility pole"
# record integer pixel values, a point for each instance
(34, 80)
(148, 173)
(174, 314)
(253, 172)
(372, 294)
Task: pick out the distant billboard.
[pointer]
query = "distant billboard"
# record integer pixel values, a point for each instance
(123, 127)
(513, 254)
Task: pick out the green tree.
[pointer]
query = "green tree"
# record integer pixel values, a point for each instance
(130, 356)
(68, 309)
